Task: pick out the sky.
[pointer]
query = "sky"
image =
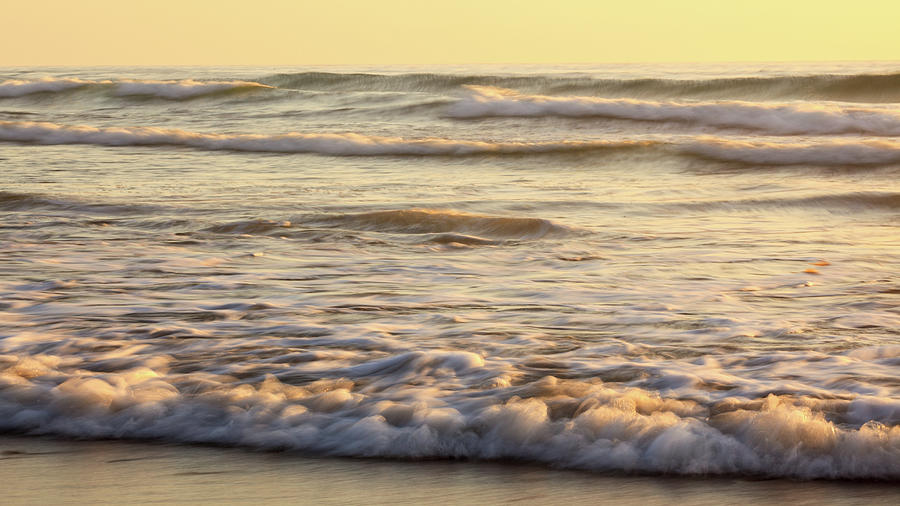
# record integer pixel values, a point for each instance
(342, 32)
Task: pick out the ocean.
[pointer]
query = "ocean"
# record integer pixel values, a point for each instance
(680, 270)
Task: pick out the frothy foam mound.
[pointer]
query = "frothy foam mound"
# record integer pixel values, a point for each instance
(416, 407)
(782, 118)
(174, 90)
(348, 144)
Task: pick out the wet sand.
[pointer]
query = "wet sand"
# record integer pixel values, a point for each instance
(49, 471)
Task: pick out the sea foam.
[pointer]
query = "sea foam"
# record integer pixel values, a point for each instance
(414, 409)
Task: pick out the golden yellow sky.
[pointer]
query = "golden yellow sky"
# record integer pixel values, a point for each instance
(269, 32)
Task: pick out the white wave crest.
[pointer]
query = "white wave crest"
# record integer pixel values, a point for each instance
(881, 152)
(174, 90)
(779, 118)
(324, 143)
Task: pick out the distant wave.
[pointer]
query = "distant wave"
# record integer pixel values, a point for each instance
(173, 90)
(346, 144)
(424, 82)
(18, 87)
(834, 153)
(871, 88)
(182, 89)
(484, 102)
(827, 153)
(852, 88)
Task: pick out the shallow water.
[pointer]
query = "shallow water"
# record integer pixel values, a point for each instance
(47, 471)
(680, 270)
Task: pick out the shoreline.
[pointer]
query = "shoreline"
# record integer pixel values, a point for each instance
(55, 471)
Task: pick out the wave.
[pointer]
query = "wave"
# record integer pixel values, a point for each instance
(436, 226)
(856, 200)
(173, 90)
(411, 405)
(417, 82)
(446, 226)
(833, 153)
(871, 88)
(18, 87)
(822, 153)
(13, 201)
(854, 88)
(484, 102)
(183, 89)
(344, 144)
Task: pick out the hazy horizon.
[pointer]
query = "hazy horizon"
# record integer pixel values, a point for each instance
(401, 32)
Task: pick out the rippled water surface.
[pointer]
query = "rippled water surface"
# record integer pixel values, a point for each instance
(687, 270)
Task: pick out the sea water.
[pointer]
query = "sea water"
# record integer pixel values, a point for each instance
(682, 269)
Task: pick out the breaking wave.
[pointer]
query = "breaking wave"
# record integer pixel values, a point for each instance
(173, 90)
(347, 144)
(413, 405)
(485, 102)
(825, 153)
